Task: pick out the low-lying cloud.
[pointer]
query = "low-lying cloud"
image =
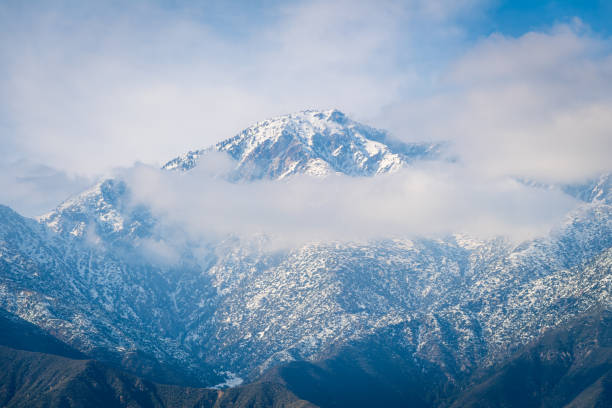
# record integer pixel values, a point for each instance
(427, 201)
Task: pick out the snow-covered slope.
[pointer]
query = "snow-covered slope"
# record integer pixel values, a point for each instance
(93, 297)
(240, 308)
(101, 214)
(598, 189)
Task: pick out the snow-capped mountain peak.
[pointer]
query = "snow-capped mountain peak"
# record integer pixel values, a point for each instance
(311, 142)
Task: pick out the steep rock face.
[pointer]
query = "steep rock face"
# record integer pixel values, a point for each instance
(480, 302)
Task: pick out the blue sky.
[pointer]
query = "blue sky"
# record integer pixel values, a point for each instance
(86, 87)
(481, 18)
(519, 16)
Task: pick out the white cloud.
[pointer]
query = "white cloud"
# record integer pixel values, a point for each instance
(428, 201)
(538, 106)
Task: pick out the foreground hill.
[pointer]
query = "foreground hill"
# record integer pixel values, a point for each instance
(568, 366)
(40, 371)
(30, 379)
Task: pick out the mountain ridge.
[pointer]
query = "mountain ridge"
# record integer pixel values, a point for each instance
(237, 308)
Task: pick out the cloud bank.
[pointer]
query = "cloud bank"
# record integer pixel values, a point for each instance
(427, 201)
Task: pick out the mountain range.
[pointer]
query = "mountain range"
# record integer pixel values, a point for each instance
(415, 322)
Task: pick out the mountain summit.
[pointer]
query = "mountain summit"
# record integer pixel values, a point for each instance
(310, 142)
